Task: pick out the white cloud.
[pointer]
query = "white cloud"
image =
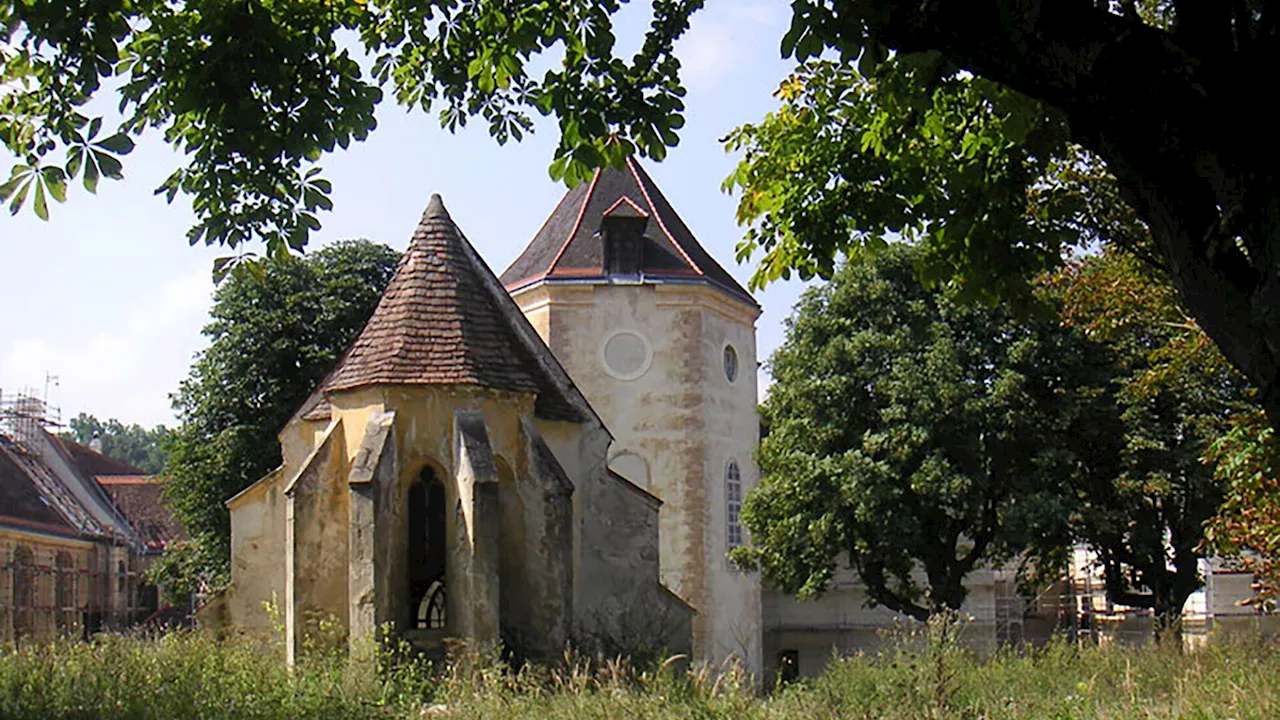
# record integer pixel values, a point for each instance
(127, 366)
(707, 55)
(721, 40)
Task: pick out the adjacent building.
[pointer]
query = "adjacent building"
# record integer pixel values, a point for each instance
(72, 560)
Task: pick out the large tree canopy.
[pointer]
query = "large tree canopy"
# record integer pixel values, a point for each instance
(254, 92)
(271, 340)
(917, 436)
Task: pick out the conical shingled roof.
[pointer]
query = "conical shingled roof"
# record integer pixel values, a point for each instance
(438, 323)
(569, 245)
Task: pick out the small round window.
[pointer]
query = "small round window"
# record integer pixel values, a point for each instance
(730, 363)
(626, 355)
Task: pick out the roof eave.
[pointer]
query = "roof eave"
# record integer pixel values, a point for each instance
(645, 279)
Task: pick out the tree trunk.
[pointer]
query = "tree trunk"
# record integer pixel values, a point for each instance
(1167, 627)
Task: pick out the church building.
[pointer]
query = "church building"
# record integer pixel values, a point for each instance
(555, 457)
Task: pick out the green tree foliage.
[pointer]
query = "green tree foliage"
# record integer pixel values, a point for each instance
(1248, 525)
(271, 340)
(920, 435)
(917, 435)
(255, 93)
(133, 444)
(956, 115)
(1145, 503)
(846, 163)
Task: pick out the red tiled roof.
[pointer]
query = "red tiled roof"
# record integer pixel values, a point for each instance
(439, 323)
(93, 463)
(570, 246)
(140, 498)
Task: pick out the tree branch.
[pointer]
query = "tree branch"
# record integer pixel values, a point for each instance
(873, 576)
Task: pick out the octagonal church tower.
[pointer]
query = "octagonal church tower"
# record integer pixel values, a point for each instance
(661, 340)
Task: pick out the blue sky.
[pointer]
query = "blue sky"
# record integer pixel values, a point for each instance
(108, 297)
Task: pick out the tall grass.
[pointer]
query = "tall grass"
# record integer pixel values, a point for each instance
(191, 675)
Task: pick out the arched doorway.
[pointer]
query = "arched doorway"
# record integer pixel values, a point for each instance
(427, 552)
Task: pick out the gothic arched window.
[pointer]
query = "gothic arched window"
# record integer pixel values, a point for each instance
(733, 504)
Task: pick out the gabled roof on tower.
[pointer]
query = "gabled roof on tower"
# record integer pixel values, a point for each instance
(570, 246)
(440, 323)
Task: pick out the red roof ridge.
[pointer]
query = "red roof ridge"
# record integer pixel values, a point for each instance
(645, 191)
(629, 201)
(586, 200)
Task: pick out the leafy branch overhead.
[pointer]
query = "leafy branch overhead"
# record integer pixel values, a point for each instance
(254, 93)
(947, 120)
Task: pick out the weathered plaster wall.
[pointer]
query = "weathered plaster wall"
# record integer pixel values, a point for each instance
(257, 555)
(371, 523)
(841, 621)
(426, 434)
(474, 564)
(536, 552)
(298, 439)
(732, 427)
(664, 441)
(316, 543)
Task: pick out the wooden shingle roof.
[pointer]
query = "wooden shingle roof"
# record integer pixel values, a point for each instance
(440, 323)
(570, 246)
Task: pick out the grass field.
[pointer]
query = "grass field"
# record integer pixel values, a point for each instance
(190, 675)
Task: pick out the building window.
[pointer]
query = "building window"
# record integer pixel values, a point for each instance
(24, 589)
(733, 504)
(64, 590)
(121, 573)
(730, 363)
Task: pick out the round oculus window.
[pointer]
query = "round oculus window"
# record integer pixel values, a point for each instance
(626, 355)
(730, 363)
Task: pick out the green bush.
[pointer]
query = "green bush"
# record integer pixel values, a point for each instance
(191, 675)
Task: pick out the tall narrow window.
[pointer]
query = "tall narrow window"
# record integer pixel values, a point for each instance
(24, 589)
(427, 552)
(64, 590)
(733, 504)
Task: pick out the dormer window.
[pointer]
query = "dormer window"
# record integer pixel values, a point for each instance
(622, 231)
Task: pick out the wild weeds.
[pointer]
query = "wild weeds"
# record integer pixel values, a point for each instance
(925, 673)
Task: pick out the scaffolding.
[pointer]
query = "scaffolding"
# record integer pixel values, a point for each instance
(69, 590)
(24, 418)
